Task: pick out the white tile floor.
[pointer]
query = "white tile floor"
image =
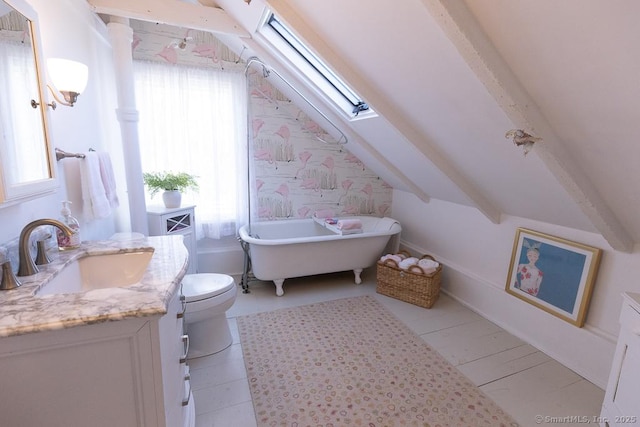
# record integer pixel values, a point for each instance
(521, 379)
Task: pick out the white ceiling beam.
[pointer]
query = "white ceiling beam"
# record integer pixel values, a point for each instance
(465, 33)
(385, 108)
(172, 12)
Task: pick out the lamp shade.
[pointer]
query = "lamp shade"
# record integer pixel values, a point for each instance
(67, 75)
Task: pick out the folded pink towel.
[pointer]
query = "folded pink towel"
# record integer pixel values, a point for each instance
(349, 224)
(396, 258)
(428, 264)
(324, 213)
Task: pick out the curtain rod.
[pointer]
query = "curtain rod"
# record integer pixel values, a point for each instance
(269, 70)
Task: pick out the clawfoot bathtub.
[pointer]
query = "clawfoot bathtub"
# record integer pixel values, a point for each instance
(303, 247)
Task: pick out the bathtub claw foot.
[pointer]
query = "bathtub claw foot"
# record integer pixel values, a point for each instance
(357, 272)
(279, 290)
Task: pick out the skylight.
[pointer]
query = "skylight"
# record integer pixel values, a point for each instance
(296, 51)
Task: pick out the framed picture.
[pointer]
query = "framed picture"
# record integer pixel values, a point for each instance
(553, 274)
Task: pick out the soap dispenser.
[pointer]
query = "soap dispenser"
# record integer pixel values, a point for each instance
(73, 241)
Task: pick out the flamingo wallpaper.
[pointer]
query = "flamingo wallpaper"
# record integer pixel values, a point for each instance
(296, 174)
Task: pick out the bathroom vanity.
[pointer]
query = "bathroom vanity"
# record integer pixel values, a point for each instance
(114, 356)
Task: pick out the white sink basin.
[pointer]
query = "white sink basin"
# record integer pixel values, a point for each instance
(99, 271)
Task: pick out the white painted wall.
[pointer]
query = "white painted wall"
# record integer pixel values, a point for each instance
(70, 30)
(476, 256)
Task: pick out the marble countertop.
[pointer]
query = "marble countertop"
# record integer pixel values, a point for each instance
(22, 312)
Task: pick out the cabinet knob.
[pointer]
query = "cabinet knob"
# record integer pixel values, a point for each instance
(180, 315)
(185, 342)
(187, 379)
(186, 400)
(183, 301)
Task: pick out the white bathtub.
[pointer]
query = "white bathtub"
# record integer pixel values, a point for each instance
(302, 247)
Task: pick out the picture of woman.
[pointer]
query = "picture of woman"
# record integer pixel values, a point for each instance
(529, 276)
(569, 273)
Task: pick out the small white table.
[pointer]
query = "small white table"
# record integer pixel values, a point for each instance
(171, 221)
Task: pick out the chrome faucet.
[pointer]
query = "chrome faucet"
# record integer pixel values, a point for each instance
(26, 266)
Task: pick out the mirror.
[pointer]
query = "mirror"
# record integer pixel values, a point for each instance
(26, 161)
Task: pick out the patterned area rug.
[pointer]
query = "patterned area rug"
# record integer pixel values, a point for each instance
(350, 362)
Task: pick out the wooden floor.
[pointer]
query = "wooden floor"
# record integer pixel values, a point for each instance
(535, 389)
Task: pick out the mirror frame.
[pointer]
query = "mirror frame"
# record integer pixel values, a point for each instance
(11, 194)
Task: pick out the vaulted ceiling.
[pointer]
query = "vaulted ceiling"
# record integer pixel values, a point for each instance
(448, 79)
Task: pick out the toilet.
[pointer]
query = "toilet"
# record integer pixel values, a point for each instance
(208, 296)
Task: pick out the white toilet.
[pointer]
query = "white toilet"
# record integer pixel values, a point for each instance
(208, 296)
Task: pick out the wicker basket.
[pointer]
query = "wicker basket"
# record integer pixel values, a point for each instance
(413, 285)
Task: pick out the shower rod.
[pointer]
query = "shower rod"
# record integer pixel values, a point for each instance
(268, 70)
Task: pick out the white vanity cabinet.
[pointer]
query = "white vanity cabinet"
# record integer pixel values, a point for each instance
(621, 406)
(176, 221)
(123, 373)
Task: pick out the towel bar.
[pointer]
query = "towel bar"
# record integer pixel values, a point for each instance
(61, 154)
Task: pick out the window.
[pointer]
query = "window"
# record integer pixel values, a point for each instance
(313, 67)
(194, 120)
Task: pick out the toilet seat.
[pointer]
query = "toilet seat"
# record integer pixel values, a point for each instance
(198, 287)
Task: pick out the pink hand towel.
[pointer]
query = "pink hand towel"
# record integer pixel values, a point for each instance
(349, 224)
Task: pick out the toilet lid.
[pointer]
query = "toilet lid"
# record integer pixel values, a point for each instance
(196, 287)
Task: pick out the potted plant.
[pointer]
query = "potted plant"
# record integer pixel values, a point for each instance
(173, 185)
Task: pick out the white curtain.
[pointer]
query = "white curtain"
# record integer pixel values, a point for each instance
(194, 120)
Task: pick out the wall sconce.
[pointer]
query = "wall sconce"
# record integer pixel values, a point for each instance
(69, 77)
